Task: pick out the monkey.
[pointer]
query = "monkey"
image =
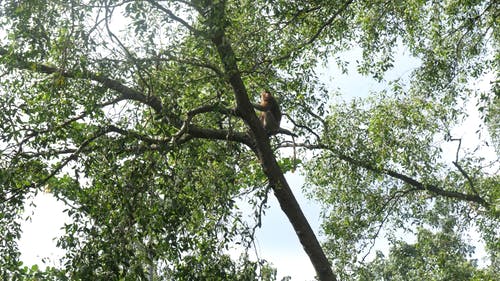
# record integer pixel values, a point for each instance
(270, 115)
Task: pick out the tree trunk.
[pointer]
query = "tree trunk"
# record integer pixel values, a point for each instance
(282, 190)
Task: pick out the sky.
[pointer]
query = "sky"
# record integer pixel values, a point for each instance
(276, 240)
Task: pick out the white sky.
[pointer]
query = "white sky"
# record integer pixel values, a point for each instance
(37, 241)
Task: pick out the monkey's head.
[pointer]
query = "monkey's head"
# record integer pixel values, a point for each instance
(266, 96)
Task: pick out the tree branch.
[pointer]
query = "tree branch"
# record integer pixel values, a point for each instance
(195, 131)
(224, 135)
(466, 176)
(328, 22)
(313, 38)
(193, 62)
(406, 179)
(74, 155)
(135, 135)
(462, 171)
(113, 37)
(171, 15)
(125, 91)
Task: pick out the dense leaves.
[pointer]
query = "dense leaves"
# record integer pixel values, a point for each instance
(137, 115)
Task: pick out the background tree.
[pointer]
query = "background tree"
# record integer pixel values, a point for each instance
(434, 256)
(138, 115)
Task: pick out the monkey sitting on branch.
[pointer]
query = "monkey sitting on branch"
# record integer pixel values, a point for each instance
(270, 115)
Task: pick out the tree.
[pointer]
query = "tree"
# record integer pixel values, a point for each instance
(434, 256)
(138, 115)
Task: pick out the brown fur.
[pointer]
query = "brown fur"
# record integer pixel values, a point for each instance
(271, 113)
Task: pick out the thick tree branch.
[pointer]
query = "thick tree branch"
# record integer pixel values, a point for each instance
(126, 92)
(190, 132)
(188, 129)
(466, 176)
(223, 135)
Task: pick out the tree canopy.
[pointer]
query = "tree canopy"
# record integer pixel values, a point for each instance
(138, 116)
(434, 256)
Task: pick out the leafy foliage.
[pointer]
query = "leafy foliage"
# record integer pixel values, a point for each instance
(434, 256)
(137, 115)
